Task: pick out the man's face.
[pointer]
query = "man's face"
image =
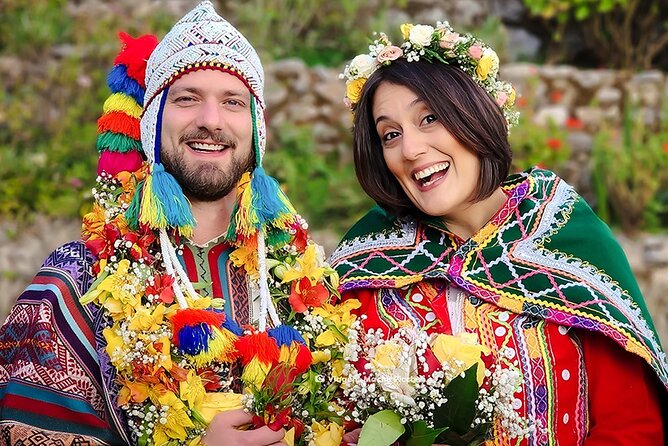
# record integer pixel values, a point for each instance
(207, 134)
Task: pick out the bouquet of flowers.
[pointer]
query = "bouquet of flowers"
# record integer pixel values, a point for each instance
(422, 388)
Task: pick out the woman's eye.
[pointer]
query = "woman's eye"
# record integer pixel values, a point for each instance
(430, 118)
(390, 136)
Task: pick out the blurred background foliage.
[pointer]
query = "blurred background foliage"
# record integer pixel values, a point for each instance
(56, 55)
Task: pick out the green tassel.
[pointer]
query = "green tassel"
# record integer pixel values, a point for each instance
(116, 142)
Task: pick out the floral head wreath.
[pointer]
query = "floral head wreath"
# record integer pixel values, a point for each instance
(433, 44)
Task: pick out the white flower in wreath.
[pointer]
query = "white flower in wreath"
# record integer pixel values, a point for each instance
(363, 65)
(420, 35)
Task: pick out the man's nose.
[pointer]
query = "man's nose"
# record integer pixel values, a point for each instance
(210, 116)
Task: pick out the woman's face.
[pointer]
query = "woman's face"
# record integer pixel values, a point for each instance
(437, 173)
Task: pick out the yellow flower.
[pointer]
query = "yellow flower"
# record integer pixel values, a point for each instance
(354, 89)
(161, 351)
(406, 30)
(145, 320)
(177, 420)
(488, 64)
(463, 348)
(326, 434)
(321, 356)
(215, 402)
(245, 256)
(511, 97)
(386, 356)
(119, 292)
(192, 390)
(115, 343)
(307, 266)
(339, 315)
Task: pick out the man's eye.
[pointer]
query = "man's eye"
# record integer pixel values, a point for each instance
(184, 99)
(233, 102)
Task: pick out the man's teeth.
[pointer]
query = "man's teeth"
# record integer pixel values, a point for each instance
(207, 147)
(431, 170)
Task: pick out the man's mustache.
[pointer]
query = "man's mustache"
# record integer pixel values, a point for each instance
(216, 137)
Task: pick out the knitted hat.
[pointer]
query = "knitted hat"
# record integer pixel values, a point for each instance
(262, 214)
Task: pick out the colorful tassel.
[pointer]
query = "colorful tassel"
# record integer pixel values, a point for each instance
(119, 81)
(284, 335)
(199, 335)
(258, 345)
(116, 142)
(135, 54)
(119, 122)
(121, 102)
(132, 213)
(232, 326)
(164, 204)
(115, 162)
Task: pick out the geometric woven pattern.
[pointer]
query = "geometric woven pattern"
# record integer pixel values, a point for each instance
(544, 254)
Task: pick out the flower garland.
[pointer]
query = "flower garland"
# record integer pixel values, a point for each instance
(433, 44)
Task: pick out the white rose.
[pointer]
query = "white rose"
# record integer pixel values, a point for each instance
(363, 64)
(420, 35)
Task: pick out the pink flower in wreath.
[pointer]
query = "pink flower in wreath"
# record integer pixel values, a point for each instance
(389, 53)
(475, 52)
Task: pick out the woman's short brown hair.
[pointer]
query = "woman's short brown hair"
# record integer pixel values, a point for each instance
(466, 110)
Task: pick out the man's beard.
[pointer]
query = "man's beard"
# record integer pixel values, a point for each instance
(207, 181)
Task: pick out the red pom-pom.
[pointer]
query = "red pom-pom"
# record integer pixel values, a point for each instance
(119, 122)
(304, 359)
(191, 317)
(135, 53)
(258, 345)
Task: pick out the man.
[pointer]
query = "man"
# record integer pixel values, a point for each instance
(62, 380)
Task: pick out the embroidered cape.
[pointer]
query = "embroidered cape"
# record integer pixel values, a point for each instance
(544, 253)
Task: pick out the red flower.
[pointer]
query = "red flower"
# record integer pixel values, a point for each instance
(304, 294)
(162, 287)
(554, 144)
(556, 96)
(574, 124)
(665, 147)
(102, 246)
(140, 244)
(301, 238)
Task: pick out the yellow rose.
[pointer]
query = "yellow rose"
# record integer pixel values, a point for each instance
(354, 89)
(488, 64)
(326, 434)
(511, 98)
(406, 30)
(387, 356)
(321, 356)
(215, 402)
(464, 348)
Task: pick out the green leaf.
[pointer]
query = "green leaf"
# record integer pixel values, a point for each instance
(460, 409)
(423, 435)
(381, 429)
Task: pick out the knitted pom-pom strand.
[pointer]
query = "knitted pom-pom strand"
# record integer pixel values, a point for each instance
(117, 142)
(257, 345)
(124, 103)
(135, 54)
(115, 162)
(119, 82)
(119, 122)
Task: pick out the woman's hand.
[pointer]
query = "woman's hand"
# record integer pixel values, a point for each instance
(229, 427)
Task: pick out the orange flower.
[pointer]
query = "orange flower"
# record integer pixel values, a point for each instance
(305, 294)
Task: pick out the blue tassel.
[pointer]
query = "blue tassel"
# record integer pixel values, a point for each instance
(119, 82)
(267, 202)
(233, 327)
(286, 335)
(168, 192)
(194, 339)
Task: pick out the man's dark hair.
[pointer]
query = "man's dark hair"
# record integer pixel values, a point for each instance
(464, 108)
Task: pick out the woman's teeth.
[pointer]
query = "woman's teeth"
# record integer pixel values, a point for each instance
(425, 175)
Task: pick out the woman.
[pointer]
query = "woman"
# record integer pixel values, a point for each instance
(457, 245)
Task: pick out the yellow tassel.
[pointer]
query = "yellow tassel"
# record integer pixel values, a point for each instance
(150, 212)
(123, 103)
(288, 354)
(255, 373)
(220, 347)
